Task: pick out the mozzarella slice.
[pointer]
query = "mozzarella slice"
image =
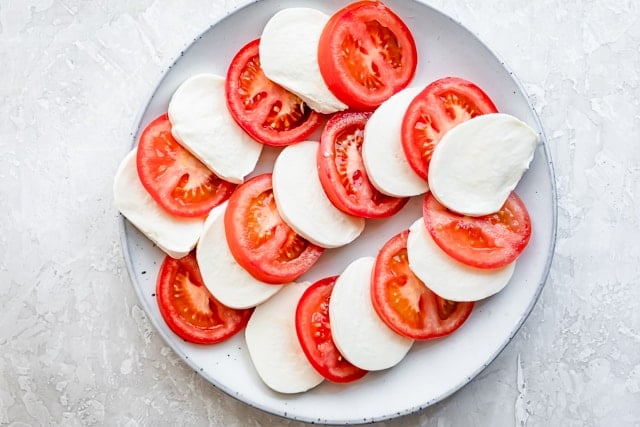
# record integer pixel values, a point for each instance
(229, 282)
(289, 56)
(477, 164)
(202, 124)
(274, 347)
(303, 204)
(447, 277)
(174, 235)
(359, 334)
(382, 151)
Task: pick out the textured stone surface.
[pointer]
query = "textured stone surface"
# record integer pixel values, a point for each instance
(76, 348)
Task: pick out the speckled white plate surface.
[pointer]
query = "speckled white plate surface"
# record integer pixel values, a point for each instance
(432, 370)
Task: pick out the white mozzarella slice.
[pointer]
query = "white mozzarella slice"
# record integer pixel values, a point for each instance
(174, 235)
(274, 347)
(229, 282)
(289, 56)
(382, 151)
(447, 277)
(303, 204)
(477, 164)
(359, 334)
(201, 122)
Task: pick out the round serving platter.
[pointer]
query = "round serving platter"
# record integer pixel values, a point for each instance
(432, 370)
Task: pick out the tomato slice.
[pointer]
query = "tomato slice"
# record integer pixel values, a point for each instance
(189, 309)
(175, 179)
(342, 173)
(490, 241)
(366, 53)
(440, 106)
(314, 333)
(405, 303)
(265, 110)
(260, 240)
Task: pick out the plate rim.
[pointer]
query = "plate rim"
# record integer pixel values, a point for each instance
(134, 130)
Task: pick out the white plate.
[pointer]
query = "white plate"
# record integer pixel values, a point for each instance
(432, 370)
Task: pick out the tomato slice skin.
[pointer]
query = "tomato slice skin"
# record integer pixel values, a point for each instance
(265, 110)
(342, 172)
(405, 303)
(189, 309)
(313, 328)
(442, 104)
(174, 178)
(490, 241)
(260, 240)
(366, 54)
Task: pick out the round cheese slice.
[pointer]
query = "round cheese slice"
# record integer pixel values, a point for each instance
(201, 123)
(289, 56)
(384, 159)
(303, 204)
(359, 334)
(174, 235)
(229, 282)
(477, 163)
(274, 347)
(447, 277)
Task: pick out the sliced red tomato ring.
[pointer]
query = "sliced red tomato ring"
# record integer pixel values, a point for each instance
(366, 54)
(439, 107)
(269, 113)
(175, 179)
(342, 173)
(314, 333)
(405, 303)
(189, 309)
(490, 241)
(258, 238)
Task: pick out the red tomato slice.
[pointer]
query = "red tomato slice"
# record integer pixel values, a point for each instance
(265, 110)
(366, 54)
(174, 178)
(405, 303)
(314, 333)
(439, 107)
(342, 173)
(490, 241)
(260, 240)
(188, 308)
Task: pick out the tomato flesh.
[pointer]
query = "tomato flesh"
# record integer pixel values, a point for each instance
(174, 178)
(189, 309)
(490, 241)
(313, 328)
(405, 303)
(366, 54)
(442, 105)
(260, 240)
(265, 110)
(342, 172)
